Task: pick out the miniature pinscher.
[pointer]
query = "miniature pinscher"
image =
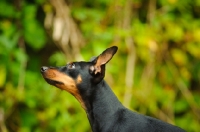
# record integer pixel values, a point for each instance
(85, 81)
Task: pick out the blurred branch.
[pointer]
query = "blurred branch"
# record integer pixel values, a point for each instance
(123, 22)
(65, 32)
(151, 11)
(164, 116)
(2, 125)
(184, 90)
(189, 97)
(21, 44)
(22, 68)
(148, 76)
(130, 69)
(130, 64)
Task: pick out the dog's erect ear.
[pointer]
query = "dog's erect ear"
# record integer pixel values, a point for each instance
(102, 59)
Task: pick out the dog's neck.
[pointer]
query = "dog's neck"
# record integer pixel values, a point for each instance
(101, 105)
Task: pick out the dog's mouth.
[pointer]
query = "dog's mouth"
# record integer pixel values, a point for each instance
(58, 79)
(49, 74)
(53, 82)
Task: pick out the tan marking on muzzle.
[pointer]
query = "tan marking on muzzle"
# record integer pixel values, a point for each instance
(67, 83)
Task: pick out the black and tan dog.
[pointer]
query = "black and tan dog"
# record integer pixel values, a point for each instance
(85, 81)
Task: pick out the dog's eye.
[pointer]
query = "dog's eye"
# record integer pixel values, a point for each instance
(71, 66)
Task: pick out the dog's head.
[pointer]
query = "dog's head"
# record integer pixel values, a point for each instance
(78, 78)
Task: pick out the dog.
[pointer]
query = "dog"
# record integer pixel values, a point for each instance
(85, 81)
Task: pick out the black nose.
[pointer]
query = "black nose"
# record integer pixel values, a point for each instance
(44, 68)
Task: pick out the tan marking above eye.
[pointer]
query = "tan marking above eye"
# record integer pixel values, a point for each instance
(79, 79)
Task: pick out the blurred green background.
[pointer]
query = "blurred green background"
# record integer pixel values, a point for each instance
(156, 70)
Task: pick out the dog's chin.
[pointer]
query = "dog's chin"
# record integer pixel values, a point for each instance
(53, 82)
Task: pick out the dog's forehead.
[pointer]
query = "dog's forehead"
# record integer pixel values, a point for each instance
(83, 64)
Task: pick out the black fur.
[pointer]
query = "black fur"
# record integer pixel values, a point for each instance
(104, 110)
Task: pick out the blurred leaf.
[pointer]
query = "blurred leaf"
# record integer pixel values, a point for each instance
(197, 98)
(20, 55)
(58, 59)
(189, 119)
(179, 57)
(29, 12)
(2, 75)
(8, 29)
(7, 9)
(196, 34)
(175, 32)
(33, 32)
(8, 44)
(28, 118)
(181, 106)
(193, 49)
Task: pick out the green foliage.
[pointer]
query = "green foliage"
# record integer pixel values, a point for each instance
(33, 32)
(166, 77)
